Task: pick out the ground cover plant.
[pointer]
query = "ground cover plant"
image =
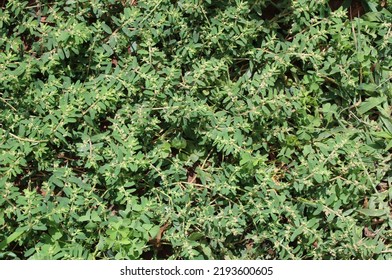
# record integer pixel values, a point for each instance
(190, 129)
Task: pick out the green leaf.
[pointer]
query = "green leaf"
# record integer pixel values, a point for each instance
(64, 35)
(382, 134)
(318, 177)
(370, 103)
(296, 232)
(128, 32)
(85, 217)
(106, 28)
(40, 227)
(195, 236)
(108, 49)
(368, 87)
(95, 216)
(373, 212)
(18, 232)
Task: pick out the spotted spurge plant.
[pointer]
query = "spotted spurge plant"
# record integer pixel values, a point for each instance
(195, 129)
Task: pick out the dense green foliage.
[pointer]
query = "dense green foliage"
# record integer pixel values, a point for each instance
(190, 129)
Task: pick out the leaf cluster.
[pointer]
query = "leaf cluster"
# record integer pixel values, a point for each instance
(236, 129)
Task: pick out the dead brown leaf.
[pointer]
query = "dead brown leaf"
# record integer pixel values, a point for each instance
(368, 233)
